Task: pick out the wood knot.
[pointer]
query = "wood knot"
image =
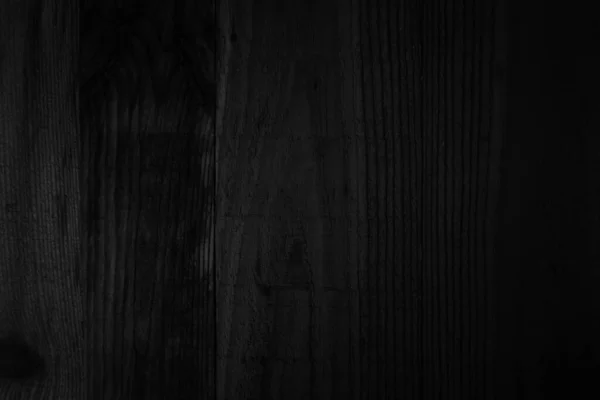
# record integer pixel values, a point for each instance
(18, 360)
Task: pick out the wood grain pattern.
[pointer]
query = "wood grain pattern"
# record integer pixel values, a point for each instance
(147, 173)
(284, 295)
(41, 295)
(150, 250)
(392, 200)
(354, 214)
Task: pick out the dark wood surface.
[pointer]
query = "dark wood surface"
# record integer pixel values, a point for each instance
(148, 170)
(299, 200)
(354, 204)
(546, 253)
(42, 301)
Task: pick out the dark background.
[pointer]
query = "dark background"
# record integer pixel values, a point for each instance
(299, 200)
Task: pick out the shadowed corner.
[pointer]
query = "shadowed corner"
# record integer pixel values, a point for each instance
(19, 361)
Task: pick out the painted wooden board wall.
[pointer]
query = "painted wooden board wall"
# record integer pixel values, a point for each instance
(107, 223)
(396, 215)
(547, 258)
(358, 150)
(148, 160)
(41, 295)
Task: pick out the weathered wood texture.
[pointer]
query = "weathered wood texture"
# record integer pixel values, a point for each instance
(148, 177)
(358, 154)
(41, 296)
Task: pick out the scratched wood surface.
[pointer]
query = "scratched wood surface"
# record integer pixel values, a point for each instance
(358, 149)
(41, 295)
